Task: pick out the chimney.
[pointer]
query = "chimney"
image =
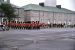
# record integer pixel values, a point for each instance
(41, 4)
(58, 6)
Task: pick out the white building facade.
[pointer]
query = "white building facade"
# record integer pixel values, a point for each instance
(50, 3)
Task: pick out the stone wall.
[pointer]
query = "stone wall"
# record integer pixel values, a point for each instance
(50, 17)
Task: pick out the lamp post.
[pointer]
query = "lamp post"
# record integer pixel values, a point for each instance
(8, 1)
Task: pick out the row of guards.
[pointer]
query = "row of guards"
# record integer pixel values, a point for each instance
(24, 25)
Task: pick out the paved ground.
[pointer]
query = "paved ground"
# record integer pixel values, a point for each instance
(43, 39)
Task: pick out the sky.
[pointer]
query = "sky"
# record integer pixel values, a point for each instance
(69, 4)
(25, 2)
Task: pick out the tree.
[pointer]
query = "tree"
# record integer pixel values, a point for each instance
(8, 11)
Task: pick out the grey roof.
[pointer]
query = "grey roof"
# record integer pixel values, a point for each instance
(46, 8)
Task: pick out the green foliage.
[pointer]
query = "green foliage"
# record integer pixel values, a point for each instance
(8, 10)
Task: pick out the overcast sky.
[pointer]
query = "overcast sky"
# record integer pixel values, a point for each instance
(69, 4)
(65, 3)
(25, 2)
